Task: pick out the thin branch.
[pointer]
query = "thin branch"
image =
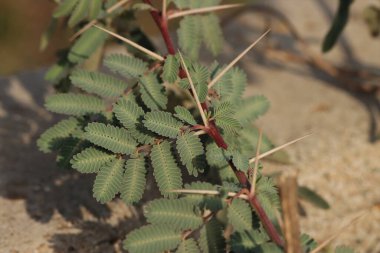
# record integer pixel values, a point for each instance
(205, 122)
(252, 160)
(137, 46)
(202, 10)
(340, 231)
(209, 192)
(254, 176)
(221, 74)
(95, 21)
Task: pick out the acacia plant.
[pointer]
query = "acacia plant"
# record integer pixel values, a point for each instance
(168, 115)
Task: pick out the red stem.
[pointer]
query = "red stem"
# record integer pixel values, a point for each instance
(215, 134)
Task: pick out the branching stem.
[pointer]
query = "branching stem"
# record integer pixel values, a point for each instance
(214, 133)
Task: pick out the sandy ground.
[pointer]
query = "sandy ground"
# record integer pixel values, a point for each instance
(44, 209)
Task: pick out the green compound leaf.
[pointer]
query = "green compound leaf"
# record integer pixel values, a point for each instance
(240, 215)
(52, 138)
(69, 147)
(90, 160)
(178, 214)
(212, 33)
(64, 8)
(190, 36)
(152, 92)
(133, 185)
(162, 123)
(232, 85)
(74, 104)
(199, 75)
(212, 203)
(246, 241)
(115, 139)
(313, 197)
(191, 152)
(151, 239)
(229, 124)
(127, 66)
(80, 12)
(98, 83)
(88, 43)
(189, 147)
(223, 109)
(128, 113)
(267, 195)
(108, 181)
(188, 246)
(171, 68)
(166, 172)
(185, 115)
(95, 9)
(211, 237)
(251, 108)
(307, 243)
(240, 161)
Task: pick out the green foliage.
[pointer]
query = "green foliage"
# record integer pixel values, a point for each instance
(125, 130)
(340, 21)
(87, 44)
(166, 171)
(98, 83)
(128, 113)
(162, 123)
(65, 8)
(188, 246)
(133, 185)
(212, 33)
(152, 92)
(52, 138)
(108, 181)
(240, 215)
(211, 237)
(251, 109)
(171, 68)
(115, 139)
(178, 214)
(267, 195)
(308, 243)
(191, 151)
(90, 160)
(74, 104)
(152, 239)
(127, 66)
(185, 115)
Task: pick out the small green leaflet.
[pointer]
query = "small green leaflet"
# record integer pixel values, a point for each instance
(184, 114)
(127, 66)
(191, 151)
(162, 123)
(178, 214)
(166, 172)
(74, 104)
(151, 239)
(115, 139)
(240, 215)
(133, 185)
(98, 83)
(90, 160)
(108, 181)
(171, 68)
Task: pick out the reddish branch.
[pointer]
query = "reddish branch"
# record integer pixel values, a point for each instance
(214, 133)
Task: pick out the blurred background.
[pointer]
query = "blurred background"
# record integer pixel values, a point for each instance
(334, 95)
